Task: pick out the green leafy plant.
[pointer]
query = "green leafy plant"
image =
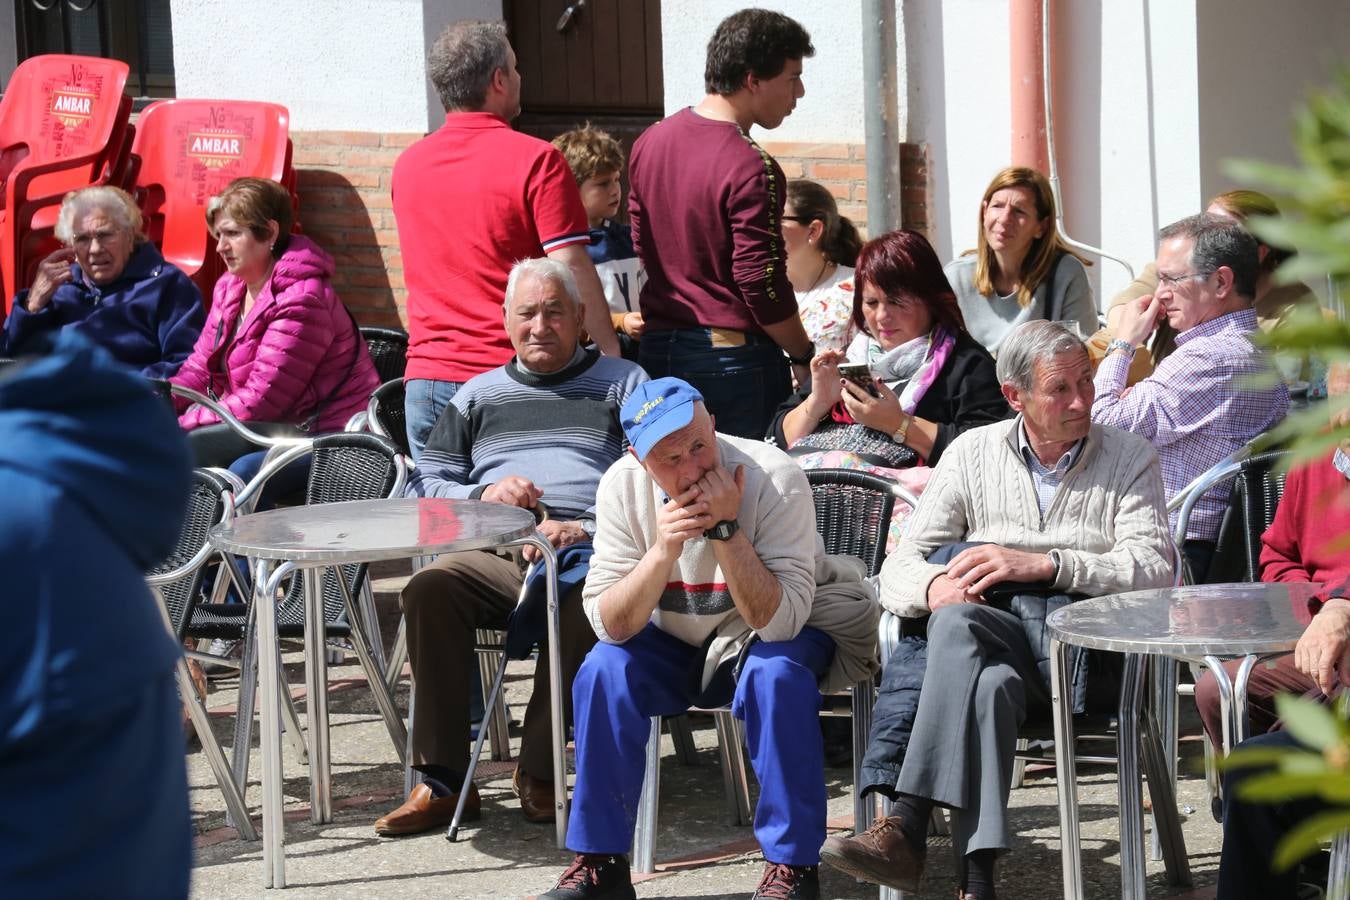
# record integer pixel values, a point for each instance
(1314, 199)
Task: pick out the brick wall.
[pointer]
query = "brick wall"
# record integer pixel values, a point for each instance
(345, 205)
(843, 169)
(343, 181)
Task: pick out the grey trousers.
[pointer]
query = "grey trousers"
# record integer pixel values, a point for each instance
(980, 685)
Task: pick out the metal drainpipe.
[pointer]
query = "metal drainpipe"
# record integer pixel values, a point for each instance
(880, 126)
(1051, 155)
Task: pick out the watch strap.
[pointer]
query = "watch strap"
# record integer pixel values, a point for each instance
(723, 530)
(1118, 344)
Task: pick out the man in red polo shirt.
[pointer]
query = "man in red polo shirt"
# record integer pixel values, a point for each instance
(471, 199)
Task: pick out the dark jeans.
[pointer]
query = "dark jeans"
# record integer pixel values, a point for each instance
(741, 386)
(1251, 831)
(1199, 554)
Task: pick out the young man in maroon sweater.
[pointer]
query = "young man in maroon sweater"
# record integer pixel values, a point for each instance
(706, 207)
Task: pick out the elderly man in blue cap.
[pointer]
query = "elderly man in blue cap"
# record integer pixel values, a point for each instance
(704, 578)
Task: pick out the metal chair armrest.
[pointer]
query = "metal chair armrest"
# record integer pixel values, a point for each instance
(291, 452)
(232, 420)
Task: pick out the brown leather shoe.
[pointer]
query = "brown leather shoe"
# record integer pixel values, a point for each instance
(536, 797)
(423, 811)
(881, 854)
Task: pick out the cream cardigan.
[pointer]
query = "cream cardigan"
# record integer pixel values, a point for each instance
(1108, 519)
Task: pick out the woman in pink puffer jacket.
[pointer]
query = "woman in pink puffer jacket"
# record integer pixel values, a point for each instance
(278, 345)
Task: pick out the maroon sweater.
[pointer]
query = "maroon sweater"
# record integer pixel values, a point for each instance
(706, 204)
(1307, 539)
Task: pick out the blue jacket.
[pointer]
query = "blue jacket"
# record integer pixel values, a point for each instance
(94, 474)
(148, 319)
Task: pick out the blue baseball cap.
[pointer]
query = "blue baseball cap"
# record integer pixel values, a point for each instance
(656, 410)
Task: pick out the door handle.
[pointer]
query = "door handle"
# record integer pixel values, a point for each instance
(565, 20)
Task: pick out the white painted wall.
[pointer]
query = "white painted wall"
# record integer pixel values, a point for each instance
(1127, 127)
(1258, 60)
(341, 65)
(957, 101)
(832, 108)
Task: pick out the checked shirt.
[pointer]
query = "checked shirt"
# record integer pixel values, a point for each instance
(1213, 394)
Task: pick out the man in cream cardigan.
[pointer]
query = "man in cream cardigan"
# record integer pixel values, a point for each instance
(709, 585)
(1054, 505)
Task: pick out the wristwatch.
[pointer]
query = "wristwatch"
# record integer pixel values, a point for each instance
(804, 359)
(588, 526)
(1118, 344)
(899, 435)
(723, 530)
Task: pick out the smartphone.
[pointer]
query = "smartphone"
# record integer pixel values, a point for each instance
(860, 374)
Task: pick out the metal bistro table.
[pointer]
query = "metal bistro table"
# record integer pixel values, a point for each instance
(1203, 623)
(283, 541)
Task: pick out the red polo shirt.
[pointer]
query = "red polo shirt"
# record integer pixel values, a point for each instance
(471, 199)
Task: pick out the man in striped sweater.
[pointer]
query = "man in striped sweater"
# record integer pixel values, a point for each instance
(537, 432)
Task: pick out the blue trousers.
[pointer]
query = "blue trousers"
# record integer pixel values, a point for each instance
(741, 386)
(621, 686)
(423, 401)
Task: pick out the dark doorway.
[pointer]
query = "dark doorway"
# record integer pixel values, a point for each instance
(601, 63)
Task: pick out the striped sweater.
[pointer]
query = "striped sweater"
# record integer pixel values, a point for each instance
(561, 431)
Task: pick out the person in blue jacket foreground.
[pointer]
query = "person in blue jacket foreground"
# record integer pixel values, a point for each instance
(94, 476)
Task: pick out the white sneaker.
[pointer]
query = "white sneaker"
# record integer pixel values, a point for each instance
(335, 652)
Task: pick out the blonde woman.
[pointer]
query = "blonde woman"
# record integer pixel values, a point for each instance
(1021, 270)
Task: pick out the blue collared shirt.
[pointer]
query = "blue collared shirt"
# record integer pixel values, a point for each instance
(1046, 479)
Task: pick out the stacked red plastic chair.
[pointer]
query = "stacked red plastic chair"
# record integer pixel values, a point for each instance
(187, 151)
(64, 125)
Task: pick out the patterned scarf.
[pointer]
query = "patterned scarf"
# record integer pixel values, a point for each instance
(915, 364)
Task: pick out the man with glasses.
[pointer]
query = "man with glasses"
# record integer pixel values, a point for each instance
(1217, 390)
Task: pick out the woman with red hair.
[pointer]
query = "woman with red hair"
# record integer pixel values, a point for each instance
(927, 379)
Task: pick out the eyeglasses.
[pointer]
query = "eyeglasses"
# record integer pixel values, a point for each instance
(105, 236)
(1174, 281)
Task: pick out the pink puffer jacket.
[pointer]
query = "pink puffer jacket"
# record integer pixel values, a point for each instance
(296, 351)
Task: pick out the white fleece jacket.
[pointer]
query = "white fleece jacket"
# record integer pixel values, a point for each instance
(776, 514)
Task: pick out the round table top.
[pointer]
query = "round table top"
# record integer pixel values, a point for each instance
(1189, 622)
(371, 530)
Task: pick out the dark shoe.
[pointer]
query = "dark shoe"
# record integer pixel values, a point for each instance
(424, 811)
(881, 854)
(783, 882)
(593, 876)
(536, 797)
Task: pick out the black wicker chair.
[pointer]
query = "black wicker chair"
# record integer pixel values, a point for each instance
(1258, 486)
(177, 582)
(388, 349)
(853, 512)
(385, 414)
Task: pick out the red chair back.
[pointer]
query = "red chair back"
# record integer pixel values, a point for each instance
(63, 122)
(189, 151)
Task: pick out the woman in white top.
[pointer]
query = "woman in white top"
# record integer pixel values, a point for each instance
(1021, 269)
(822, 247)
